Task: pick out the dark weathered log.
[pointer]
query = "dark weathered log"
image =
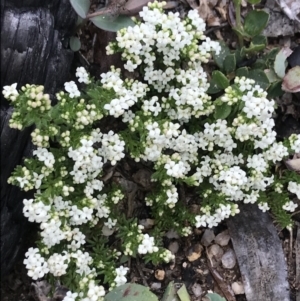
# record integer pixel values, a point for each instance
(33, 50)
(259, 254)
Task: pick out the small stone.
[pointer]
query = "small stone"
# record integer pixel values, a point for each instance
(160, 275)
(197, 290)
(194, 252)
(107, 231)
(238, 288)
(156, 286)
(222, 239)
(173, 247)
(147, 223)
(207, 237)
(172, 234)
(228, 259)
(215, 253)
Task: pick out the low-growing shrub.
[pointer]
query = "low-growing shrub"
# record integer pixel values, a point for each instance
(223, 147)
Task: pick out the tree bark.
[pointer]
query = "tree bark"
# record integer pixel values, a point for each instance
(34, 36)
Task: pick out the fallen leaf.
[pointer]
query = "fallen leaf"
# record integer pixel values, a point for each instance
(291, 81)
(280, 63)
(293, 164)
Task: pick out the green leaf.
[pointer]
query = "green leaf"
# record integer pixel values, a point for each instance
(260, 40)
(252, 49)
(81, 7)
(109, 24)
(255, 22)
(259, 64)
(242, 72)
(130, 292)
(229, 63)
(238, 56)
(183, 294)
(275, 89)
(75, 43)
(218, 82)
(241, 32)
(222, 111)
(215, 297)
(219, 58)
(260, 78)
(220, 79)
(253, 2)
(170, 293)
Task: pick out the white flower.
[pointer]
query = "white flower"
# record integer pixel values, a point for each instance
(263, 207)
(35, 263)
(70, 296)
(36, 211)
(120, 278)
(290, 206)
(72, 89)
(110, 223)
(83, 76)
(10, 92)
(147, 245)
(58, 264)
(294, 187)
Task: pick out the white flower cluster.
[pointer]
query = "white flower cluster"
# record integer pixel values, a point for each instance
(88, 164)
(72, 89)
(45, 156)
(83, 76)
(294, 140)
(212, 220)
(35, 264)
(147, 245)
(10, 92)
(58, 263)
(120, 277)
(294, 187)
(112, 148)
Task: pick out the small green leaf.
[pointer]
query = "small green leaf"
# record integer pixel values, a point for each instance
(109, 24)
(218, 82)
(242, 72)
(253, 2)
(183, 294)
(259, 64)
(130, 292)
(220, 79)
(241, 32)
(222, 111)
(170, 293)
(252, 49)
(229, 63)
(260, 78)
(260, 40)
(219, 58)
(81, 7)
(75, 43)
(215, 297)
(275, 89)
(255, 22)
(238, 56)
